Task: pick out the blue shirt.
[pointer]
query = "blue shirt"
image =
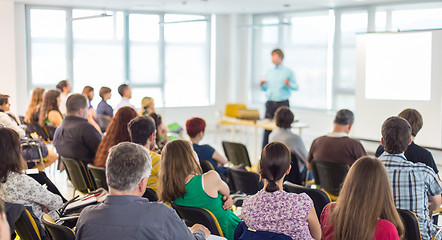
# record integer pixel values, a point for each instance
(275, 87)
(105, 109)
(412, 183)
(205, 152)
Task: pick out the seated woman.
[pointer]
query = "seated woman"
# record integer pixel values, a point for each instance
(7, 119)
(274, 210)
(181, 181)
(88, 91)
(147, 106)
(103, 107)
(365, 208)
(49, 111)
(195, 129)
(17, 187)
(116, 133)
(161, 136)
(33, 111)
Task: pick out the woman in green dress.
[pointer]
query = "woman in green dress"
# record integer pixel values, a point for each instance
(181, 181)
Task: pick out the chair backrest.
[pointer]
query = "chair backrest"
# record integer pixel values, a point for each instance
(329, 176)
(27, 227)
(99, 175)
(79, 175)
(319, 197)
(244, 181)
(242, 232)
(193, 215)
(57, 232)
(236, 153)
(294, 175)
(103, 121)
(206, 166)
(151, 195)
(411, 224)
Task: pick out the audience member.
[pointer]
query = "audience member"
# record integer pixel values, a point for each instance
(116, 133)
(65, 88)
(415, 185)
(17, 187)
(161, 136)
(147, 106)
(142, 132)
(414, 153)
(5, 233)
(181, 181)
(195, 129)
(33, 111)
(124, 214)
(103, 107)
(336, 146)
(284, 119)
(49, 112)
(7, 119)
(88, 91)
(75, 137)
(365, 192)
(274, 210)
(126, 94)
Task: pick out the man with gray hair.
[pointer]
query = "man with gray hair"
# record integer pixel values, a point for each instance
(337, 146)
(124, 214)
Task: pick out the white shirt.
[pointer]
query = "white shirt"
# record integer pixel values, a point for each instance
(8, 122)
(63, 99)
(123, 103)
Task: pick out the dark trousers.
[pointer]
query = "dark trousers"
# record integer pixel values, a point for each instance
(271, 107)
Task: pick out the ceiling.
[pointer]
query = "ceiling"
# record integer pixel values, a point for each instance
(215, 6)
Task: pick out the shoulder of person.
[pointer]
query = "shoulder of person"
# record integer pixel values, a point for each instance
(211, 176)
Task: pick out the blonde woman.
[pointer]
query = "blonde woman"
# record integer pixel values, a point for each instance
(34, 105)
(365, 208)
(147, 106)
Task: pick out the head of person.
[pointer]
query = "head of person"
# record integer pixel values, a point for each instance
(344, 119)
(159, 123)
(64, 86)
(4, 226)
(277, 56)
(396, 135)
(77, 105)
(128, 167)
(178, 160)
(147, 103)
(125, 91)
(284, 117)
(88, 91)
(414, 118)
(274, 164)
(51, 101)
(105, 93)
(35, 103)
(195, 127)
(10, 158)
(366, 191)
(116, 132)
(142, 130)
(4, 103)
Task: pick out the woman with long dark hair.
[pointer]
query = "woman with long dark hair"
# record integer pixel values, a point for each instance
(49, 110)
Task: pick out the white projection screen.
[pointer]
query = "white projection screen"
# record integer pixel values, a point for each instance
(396, 71)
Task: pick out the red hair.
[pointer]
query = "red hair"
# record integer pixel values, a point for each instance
(116, 132)
(195, 126)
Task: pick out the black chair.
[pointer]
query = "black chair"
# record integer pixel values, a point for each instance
(151, 195)
(294, 175)
(193, 215)
(79, 175)
(236, 153)
(319, 197)
(244, 181)
(57, 232)
(99, 175)
(28, 228)
(329, 176)
(206, 166)
(411, 224)
(242, 232)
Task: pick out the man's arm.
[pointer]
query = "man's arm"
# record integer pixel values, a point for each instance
(291, 80)
(434, 202)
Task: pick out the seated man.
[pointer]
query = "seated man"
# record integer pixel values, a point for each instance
(336, 146)
(76, 138)
(126, 94)
(125, 214)
(414, 153)
(7, 119)
(415, 186)
(142, 130)
(195, 129)
(284, 119)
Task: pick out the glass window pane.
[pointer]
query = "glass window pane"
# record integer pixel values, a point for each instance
(351, 24)
(345, 101)
(181, 17)
(95, 27)
(195, 32)
(313, 29)
(144, 27)
(144, 64)
(48, 23)
(48, 62)
(381, 21)
(139, 93)
(347, 71)
(417, 19)
(269, 34)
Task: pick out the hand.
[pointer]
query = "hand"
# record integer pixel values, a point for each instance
(44, 209)
(200, 227)
(287, 82)
(262, 82)
(228, 202)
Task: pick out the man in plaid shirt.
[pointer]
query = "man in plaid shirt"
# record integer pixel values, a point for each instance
(415, 185)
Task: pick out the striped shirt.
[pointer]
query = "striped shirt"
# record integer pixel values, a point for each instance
(412, 183)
